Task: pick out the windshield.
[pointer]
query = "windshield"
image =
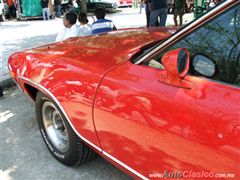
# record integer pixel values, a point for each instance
(152, 48)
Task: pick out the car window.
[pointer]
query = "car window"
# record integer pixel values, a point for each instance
(218, 40)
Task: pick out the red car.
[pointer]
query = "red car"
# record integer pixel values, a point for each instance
(154, 102)
(123, 3)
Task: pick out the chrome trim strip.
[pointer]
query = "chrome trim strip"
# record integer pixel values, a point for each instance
(181, 32)
(125, 166)
(59, 105)
(19, 87)
(84, 139)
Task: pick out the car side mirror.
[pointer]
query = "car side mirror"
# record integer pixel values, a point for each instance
(176, 64)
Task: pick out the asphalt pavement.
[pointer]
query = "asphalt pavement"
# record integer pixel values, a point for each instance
(24, 156)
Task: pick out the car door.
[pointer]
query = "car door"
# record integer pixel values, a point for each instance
(156, 129)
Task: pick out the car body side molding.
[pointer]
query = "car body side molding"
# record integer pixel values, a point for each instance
(125, 166)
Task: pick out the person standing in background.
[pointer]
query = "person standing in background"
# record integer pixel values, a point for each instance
(45, 10)
(148, 11)
(179, 10)
(57, 4)
(11, 8)
(141, 6)
(159, 9)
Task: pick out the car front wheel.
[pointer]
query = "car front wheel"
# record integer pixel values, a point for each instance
(58, 135)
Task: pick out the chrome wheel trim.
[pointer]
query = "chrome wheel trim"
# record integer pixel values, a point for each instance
(55, 127)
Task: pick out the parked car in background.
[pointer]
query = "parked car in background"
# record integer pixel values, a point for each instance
(125, 3)
(155, 102)
(108, 5)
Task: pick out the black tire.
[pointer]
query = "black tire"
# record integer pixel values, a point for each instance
(76, 152)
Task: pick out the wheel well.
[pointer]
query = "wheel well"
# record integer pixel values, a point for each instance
(32, 91)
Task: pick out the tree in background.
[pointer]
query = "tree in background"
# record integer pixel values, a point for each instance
(83, 5)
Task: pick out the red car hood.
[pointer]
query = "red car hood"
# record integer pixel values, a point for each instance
(129, 40)
(95, 53)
